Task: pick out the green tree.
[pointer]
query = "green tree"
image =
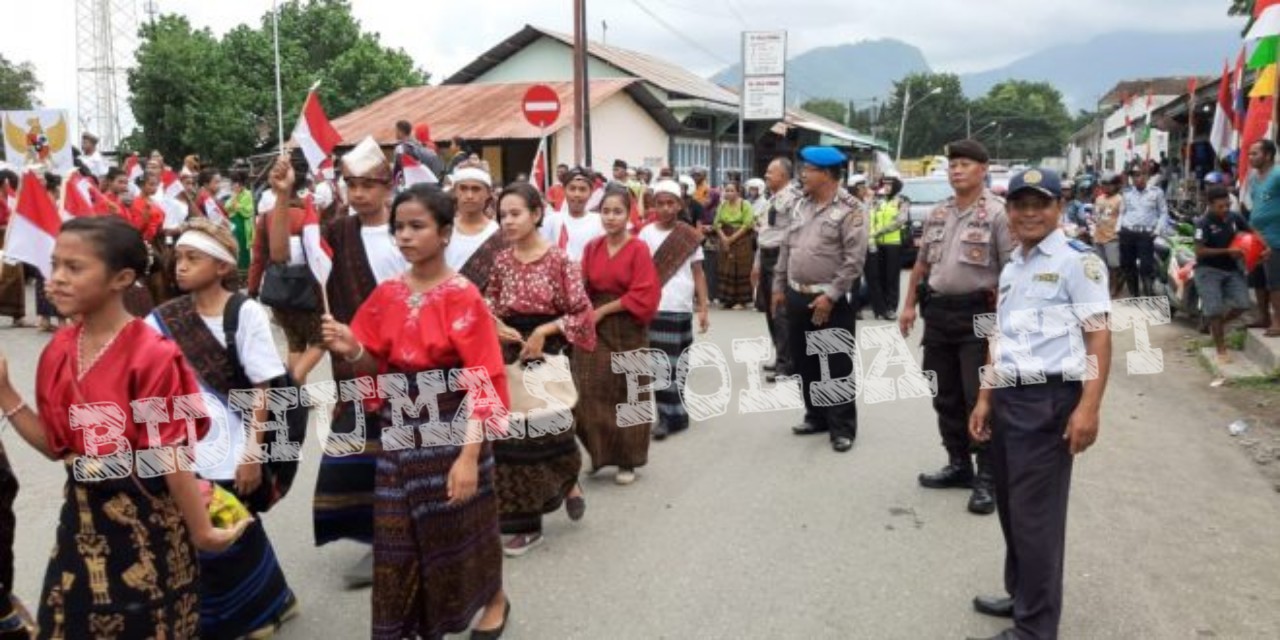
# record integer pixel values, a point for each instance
(1032, 121)
(833, 110)
(1240, 8)
(194, 93)
(937, 112)
(18, 84)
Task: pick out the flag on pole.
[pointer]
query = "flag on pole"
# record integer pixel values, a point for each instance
(1145, 136)
(133, 169)
(170, 184)
(319, 254)
(1224, 131)
(1265, 85)
(538, 174)
(414, 172)
(81, 197)
(1258, 121)
(34, 226)
(314, 134)
(1239, 104)
(1266, 20)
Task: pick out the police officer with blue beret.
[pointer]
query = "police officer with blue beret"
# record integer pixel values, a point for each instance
(1040, 400)
(819, 262)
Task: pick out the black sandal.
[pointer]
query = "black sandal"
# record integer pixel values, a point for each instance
(494, 634)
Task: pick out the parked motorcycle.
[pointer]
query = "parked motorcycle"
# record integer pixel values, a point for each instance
(1175, 269)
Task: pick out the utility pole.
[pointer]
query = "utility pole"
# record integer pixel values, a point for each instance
(968, 123)
(902, 128)
(579, 83)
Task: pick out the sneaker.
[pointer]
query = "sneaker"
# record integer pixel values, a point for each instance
(625, 477)
(521, 543)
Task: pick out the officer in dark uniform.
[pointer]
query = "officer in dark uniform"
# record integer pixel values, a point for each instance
(965, 244)
(820, 260)
(1044, 408)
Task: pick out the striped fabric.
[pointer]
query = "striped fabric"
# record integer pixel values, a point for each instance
(600, 391)
(672, 333)
(243, 588)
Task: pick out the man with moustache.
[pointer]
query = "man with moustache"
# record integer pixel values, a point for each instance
(966, 243)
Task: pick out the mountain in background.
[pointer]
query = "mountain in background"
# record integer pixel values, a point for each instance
(858, 71)
(1083, 72)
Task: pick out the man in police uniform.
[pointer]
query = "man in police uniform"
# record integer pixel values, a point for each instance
(772, 224)
(1044, 408)
(965, 244)
(819, 262)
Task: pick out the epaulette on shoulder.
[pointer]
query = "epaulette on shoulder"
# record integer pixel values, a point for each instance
(1082, 247)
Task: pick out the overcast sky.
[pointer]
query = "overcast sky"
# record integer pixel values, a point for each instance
(702, 35)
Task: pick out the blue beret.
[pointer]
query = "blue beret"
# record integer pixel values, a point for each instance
(1045, 181)
(823, 156)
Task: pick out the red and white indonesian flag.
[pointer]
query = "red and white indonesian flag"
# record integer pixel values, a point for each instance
(170, 184)
(1223, 133)
(133, 169)
(313, 134)
(319, 255)
(213, 211)
(34, 226)
(1266, 20)
(538, 174)
(81, 197)
(415, 172)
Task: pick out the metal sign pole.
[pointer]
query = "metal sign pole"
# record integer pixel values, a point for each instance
(742, 107)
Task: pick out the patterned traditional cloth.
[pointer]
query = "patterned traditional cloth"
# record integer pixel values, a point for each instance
(8, 524)
(243, 588)
(44, 308)
(435, 565)
(123, 565)
(675, 251)
(534, 474)
(600, 391)
(13, 294)
(480, 264)
(671, 333)
(734, 265)
(343, 504)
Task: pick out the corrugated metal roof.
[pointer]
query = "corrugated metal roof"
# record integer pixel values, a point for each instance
(1137, 89)
(813, 122)
(671, 78)
(481, 111)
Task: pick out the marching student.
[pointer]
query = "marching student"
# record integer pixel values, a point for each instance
(124, 554)
(243, 589)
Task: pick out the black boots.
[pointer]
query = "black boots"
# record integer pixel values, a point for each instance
(956, 475)
(983, 500)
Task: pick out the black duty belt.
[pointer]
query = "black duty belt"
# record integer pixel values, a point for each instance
(981, 298)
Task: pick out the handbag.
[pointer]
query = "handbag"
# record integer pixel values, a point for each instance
(289, 287)
(562, 391)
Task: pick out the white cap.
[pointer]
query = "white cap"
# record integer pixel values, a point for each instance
(667, 186)
(857, 179)
(366, 160)
(757, 183)
(472, 173)
(688, 183)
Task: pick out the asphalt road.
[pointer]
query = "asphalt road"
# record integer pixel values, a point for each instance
(738, 529)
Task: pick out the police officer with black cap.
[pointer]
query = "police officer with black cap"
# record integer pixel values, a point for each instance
(1040, 400)
(965, 244)
(819, 262)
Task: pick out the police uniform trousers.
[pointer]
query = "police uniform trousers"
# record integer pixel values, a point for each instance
(884, 273)
(764, 299)
(1137, 259)
(1032, 465)
(840, 420)
(956, 354)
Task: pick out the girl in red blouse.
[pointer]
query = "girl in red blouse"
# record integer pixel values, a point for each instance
(624, 289)
(146, 215)
(123, 554)
(437, 555)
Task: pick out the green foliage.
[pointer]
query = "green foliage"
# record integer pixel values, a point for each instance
(833, 110)
(194, 93)
(933, 119)
(18, 84)
(1032, 121)
(1240, 8)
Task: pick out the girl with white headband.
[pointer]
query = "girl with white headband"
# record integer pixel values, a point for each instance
(243, 591)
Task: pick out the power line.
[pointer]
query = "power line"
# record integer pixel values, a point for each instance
(677, 33)
(736, 13)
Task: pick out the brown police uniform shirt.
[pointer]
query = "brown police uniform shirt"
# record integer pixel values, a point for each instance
(965, 250)
(826, 246)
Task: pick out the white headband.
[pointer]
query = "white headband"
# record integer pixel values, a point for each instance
(472, 174)
(205, 243)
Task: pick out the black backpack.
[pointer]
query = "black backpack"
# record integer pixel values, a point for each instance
(277, 475)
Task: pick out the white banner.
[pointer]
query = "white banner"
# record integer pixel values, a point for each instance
(764, 53)
(764, 98)
(37, 137)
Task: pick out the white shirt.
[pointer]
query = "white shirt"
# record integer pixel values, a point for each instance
(175, 212)
(461, 247)
(96, 164)
(384, 256)
(580, 231)
(679, 292)
(261, 363)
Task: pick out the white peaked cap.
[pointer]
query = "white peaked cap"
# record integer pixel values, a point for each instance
(366, 160)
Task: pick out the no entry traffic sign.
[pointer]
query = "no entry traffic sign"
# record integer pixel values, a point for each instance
(541, 106)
